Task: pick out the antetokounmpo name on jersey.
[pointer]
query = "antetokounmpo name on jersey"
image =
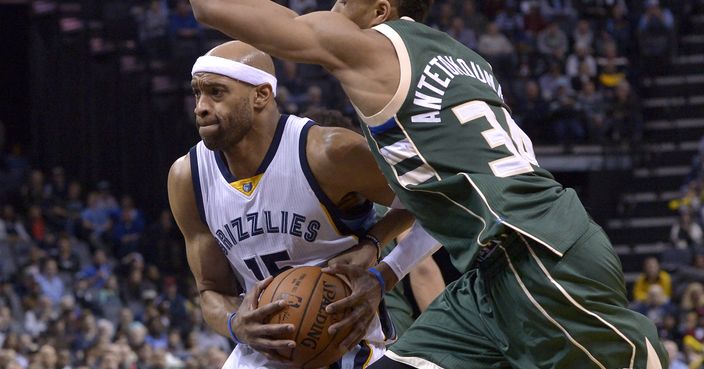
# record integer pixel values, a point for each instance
(256, 224)
(437, 75)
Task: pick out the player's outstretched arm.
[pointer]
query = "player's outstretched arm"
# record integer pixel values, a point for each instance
(325, 38)
(219, 293)
(216, 284)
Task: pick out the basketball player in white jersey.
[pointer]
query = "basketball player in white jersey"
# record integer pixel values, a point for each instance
(263, 192)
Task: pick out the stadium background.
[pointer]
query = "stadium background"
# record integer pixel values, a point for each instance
(96, 105)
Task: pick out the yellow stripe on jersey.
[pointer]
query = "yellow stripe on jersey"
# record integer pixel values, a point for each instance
(247, 185)
(371, 353)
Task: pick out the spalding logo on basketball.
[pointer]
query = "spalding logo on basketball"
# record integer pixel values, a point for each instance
(308, 291)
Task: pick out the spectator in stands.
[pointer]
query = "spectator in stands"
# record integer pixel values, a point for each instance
(11, 227)
(674, 354)
(651, 275)
(463, 34)
(74, 208)
(97, 274)
(38, 314)
(182, 23)
(510, 23)
(583, 76)
(533, 21)
(67, 259)
(656, 37)
(619, 28)
(496, 48)
(154, 32)
(581, 56)
(162, 244)
(551, 82)
(552, 42)
(446, 13)
(473, 19)
(128, 228)
(591, 105)
(532, 111)
(36, 223)
(32, 193)
(610, 56)
(565, 117)
(686, 234)
(656, 305)
(583, 35)
(625, 115)
(560, 11)
(51, 285)
(108, 300)
(96, 221)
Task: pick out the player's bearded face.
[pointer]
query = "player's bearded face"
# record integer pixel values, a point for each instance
(232, 120)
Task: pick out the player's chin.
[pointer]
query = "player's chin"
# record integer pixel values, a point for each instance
(211, 141)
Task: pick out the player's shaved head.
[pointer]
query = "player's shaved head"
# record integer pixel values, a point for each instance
(244, 53)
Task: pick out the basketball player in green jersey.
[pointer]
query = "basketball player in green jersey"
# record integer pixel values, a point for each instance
(542, 286)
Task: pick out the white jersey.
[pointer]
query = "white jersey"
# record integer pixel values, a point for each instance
(278, 219)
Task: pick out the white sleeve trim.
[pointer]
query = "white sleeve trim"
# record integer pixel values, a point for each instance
(416, 246)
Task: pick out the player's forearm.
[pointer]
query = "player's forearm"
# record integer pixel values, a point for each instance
(427, 282)
(395, 222)
(216, 308)
(416, 246)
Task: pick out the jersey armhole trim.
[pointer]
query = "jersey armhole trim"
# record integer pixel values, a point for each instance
(195, 176)
(328, 205)
(404, 83)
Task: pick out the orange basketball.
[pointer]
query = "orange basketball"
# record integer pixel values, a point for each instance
(308, 291)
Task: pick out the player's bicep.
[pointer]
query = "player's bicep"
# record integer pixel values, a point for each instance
(210, 268)
(366, 177)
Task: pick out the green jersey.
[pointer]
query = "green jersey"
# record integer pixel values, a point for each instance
(453, 155)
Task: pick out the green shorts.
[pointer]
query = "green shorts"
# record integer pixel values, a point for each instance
(526, 308)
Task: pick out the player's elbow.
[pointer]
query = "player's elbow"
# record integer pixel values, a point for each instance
(202, 10)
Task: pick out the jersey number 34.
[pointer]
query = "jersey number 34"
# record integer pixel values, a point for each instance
(518, 144)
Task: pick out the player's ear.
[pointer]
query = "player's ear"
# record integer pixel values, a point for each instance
(262, 95)
(382, 12)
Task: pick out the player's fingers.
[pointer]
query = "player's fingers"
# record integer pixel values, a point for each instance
(273, 330)
(261, 344)
(347, 270)
(251, 298)
(346, 303)
(354, 318)
(353, 339)
(263, 312)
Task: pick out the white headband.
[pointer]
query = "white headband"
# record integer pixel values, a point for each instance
(234, 70)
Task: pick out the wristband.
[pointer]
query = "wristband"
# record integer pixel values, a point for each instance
(376, 243)
(380, 279)
(229, 327)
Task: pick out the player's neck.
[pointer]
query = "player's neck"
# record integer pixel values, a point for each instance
(245, 158)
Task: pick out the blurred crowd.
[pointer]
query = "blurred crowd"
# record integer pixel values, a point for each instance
(87, 280)
(570, 69)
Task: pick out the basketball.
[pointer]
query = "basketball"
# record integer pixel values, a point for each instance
(308, 291)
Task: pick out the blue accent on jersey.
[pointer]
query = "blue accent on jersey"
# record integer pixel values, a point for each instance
(273, 147)
(195, 176)
(389, 124)
(322, 197)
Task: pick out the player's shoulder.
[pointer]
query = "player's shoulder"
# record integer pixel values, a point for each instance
(180, 169)
(336, 144)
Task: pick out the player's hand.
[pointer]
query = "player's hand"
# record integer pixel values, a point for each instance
(251, 328)
(363, 254)
(362, 303)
